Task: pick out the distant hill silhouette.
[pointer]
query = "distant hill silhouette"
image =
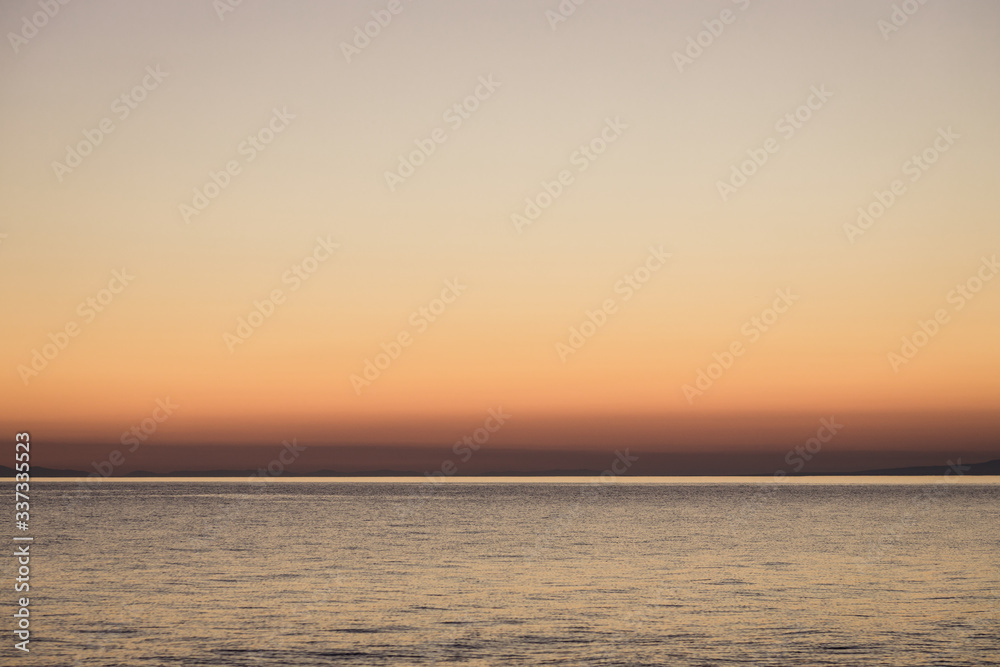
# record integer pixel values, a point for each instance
(984, 468)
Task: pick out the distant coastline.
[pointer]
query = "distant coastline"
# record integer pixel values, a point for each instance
(991, 467)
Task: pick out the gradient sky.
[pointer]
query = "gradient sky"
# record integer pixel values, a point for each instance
(323, 176)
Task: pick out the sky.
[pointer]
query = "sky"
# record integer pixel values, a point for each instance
(620, 223)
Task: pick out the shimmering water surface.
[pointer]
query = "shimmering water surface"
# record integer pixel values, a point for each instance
(539, 573)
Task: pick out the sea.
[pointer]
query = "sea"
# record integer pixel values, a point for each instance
(512, 571)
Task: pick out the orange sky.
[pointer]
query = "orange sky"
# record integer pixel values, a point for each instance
(663, 284)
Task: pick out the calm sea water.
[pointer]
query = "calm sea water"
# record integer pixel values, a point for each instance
(360, 573)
